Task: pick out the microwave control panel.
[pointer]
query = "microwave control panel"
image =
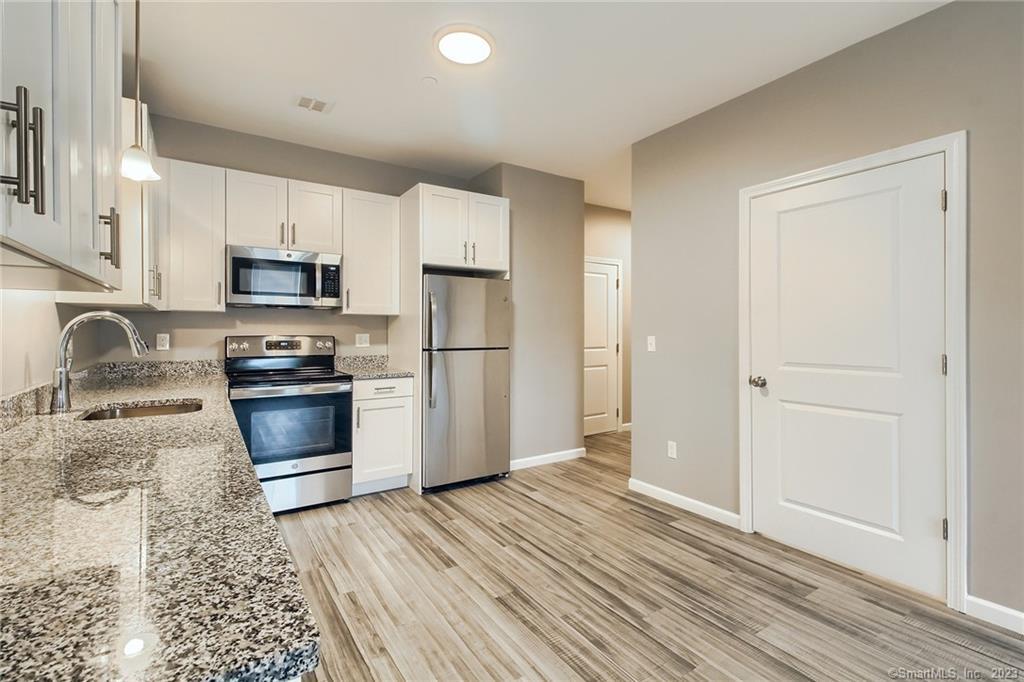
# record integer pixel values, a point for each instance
(330, 283)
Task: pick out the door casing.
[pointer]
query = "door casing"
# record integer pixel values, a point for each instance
(954, 147)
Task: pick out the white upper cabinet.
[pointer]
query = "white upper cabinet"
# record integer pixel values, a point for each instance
(82, 217)
(61, 83)
(113, 131)
(195, 227)
(314, 217)
(445, 226)
(34, 48)
(464, 230)
(488, 232)
(257, 210)
(371, 246)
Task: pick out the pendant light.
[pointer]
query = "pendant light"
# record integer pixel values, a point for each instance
(135, 162)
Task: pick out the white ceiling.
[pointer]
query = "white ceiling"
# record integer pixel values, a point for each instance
(568, 89)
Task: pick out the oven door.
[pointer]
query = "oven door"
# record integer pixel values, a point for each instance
(259, 276)
(290, 430)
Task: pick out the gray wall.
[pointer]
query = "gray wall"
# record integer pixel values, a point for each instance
(547, 304)
(958, 67)
(187, 141)
(201, 335)
(607, 235)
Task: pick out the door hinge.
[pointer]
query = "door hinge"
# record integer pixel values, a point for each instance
(616, 282)
(616, 349)
(943, 200)
(945, 365)
(945, 529)
(616, 413)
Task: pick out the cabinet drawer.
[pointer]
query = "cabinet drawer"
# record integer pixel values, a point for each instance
(381, 388)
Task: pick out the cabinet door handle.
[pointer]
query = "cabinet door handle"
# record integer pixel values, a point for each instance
(293, 234)
(465, 255)
(474, 253)
(38, 192)
(359, 417)
(348, 299)
(220, 285)
(385, 388)
(113, 254)
(282, 234)
(152, 281)
(21, 125)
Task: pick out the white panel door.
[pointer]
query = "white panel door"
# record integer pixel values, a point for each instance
(445, 226)
(488, 232)
(847, 329)
(381, 439)
(195, 226)
(315, 217)
(257, 210)
(371, 248)
(600, 348)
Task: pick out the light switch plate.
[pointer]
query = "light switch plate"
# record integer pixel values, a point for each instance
(163, 341)
(672, 449)
(651, 345)
(362, 340)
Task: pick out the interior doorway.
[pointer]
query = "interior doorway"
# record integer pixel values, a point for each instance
(602, 345)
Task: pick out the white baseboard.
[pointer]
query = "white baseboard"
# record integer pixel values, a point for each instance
(368, 487)
(549, 458)
(704, 509)
(997, 614)
(626, 426)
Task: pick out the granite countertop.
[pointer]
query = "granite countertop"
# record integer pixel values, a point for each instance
(144, 548)
(364, 374)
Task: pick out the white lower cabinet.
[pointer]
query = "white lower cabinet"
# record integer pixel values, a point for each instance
(382, 438)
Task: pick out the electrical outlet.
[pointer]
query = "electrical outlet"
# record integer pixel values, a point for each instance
(163, 341)
(672, 449)
(651, 345)
(362, 340)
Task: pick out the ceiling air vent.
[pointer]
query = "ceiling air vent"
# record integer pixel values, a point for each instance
(317, 105)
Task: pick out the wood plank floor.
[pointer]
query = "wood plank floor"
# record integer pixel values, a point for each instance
(561, 573)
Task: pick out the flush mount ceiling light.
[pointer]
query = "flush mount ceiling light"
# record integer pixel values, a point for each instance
(464, 44)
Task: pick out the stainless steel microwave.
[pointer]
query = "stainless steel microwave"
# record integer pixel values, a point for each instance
(273, 277)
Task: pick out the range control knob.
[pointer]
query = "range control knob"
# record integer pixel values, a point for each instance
(244, 346)
(232, 346)
(320, 345)
(328, 344)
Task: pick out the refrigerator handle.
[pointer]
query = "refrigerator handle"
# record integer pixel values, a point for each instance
(432, 398)
(433, 321)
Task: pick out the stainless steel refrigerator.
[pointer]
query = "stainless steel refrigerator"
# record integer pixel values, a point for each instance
(467, 325)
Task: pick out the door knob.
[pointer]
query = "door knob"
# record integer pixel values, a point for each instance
(757, 382)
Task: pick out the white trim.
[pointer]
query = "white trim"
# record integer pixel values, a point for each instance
(626, 426)
(1000, 615)
(731, 519)
(620, 341)
(954, 146)
(549, 458)
(380, 485)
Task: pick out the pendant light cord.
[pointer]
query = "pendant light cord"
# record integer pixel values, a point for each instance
(138, 101)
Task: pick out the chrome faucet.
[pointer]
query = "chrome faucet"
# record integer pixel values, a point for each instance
(60, 401)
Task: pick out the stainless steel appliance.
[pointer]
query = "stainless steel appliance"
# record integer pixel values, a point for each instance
(272, 277)
(467, 327)
(295, 414)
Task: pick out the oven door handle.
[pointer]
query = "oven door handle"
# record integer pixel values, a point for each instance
(248, 393)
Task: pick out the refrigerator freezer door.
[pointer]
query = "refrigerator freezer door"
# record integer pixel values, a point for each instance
(465, 415)
(466, 312)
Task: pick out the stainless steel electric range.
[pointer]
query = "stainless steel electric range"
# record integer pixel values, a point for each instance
(295, 413)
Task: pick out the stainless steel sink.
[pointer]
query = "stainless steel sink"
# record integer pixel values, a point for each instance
(157, 410)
